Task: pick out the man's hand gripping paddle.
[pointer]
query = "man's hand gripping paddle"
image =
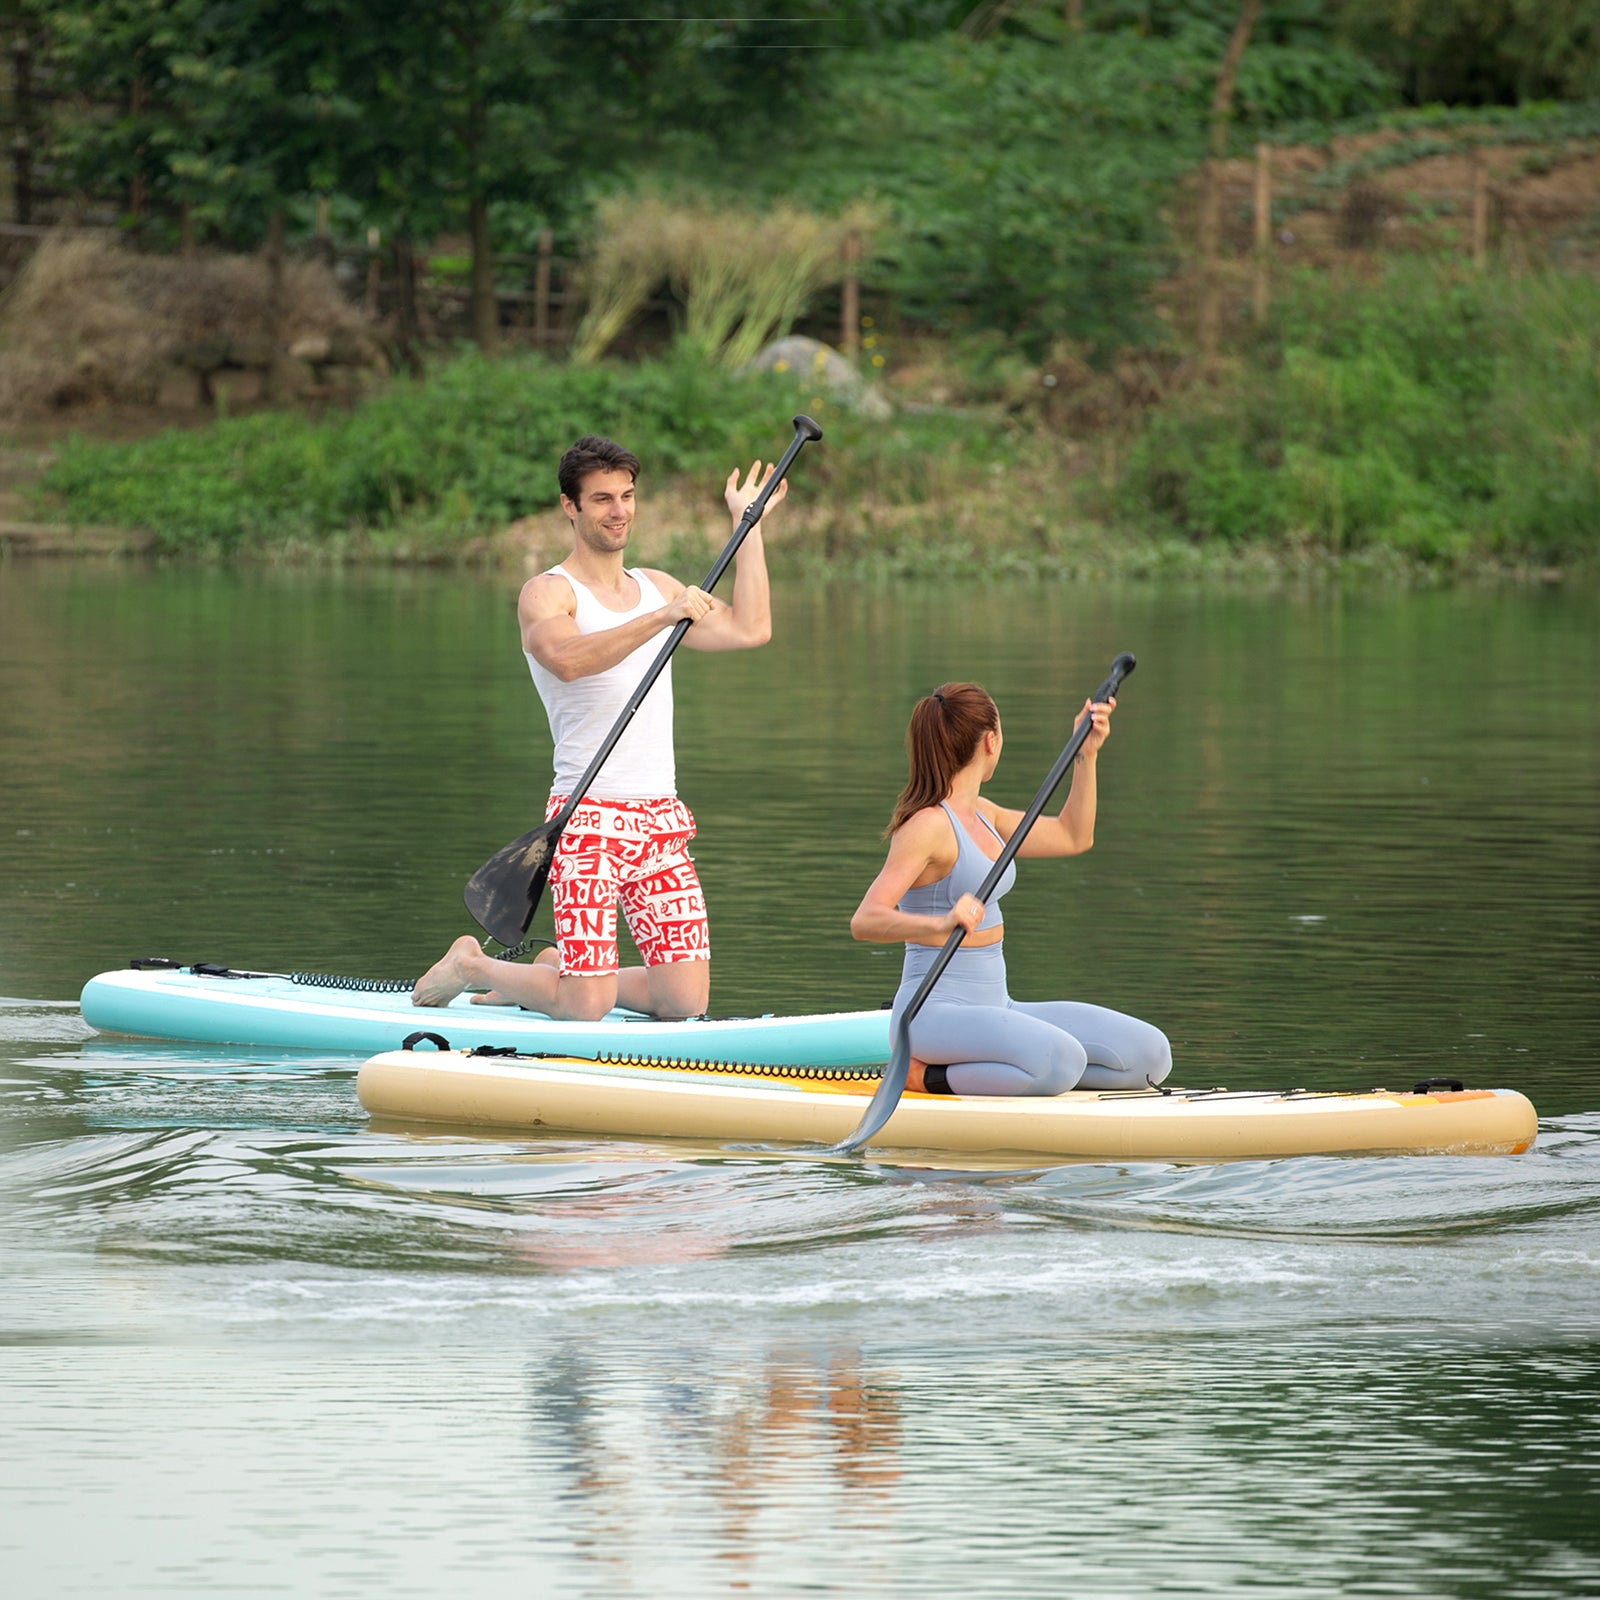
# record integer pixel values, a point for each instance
(894, 1075)
(505, 891)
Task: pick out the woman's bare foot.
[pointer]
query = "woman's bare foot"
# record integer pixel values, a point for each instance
(491, 997)
(915, 1081)
(447, 977)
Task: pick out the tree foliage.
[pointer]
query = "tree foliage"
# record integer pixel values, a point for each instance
(1030, 175)
(232, 108)
(1481, 52)
(1026, 151)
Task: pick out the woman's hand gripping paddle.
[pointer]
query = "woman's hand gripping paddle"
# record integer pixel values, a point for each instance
(505, 891)
(894, 1075)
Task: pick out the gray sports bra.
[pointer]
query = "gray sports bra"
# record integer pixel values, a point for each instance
(965, 877)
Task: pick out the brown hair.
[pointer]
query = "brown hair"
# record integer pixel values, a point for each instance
(593, 454)
(941, 737)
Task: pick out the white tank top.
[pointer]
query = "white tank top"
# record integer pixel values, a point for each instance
(584, 711)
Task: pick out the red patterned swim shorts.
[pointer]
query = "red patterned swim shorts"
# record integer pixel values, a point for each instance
(632, 852)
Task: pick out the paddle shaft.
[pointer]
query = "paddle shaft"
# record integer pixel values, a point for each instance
(805, 429)
(894, 1077)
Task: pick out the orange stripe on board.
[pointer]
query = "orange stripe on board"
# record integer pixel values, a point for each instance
(1441, 1095)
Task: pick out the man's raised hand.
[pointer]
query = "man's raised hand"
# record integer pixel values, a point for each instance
(738, 496)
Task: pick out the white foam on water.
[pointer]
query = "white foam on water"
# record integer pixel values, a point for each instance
(42, 1022)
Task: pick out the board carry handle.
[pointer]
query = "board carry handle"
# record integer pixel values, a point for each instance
(412, 1040)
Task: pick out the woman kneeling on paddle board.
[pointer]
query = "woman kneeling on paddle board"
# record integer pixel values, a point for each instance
(970, 1037)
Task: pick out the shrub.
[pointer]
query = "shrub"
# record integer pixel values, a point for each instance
(475, 441)
(1430, 409)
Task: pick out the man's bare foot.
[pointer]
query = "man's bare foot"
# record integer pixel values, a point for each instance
(915, 1081)
(447, 977)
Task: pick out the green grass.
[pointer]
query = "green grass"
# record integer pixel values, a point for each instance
(1447, 414)
(1427, 423)
(438, 462)
(454, 455)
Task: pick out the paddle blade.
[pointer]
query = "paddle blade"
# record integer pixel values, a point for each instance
(503, 894)
(888, 1096)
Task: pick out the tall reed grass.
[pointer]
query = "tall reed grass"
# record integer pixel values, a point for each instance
(622, 269)
(742, 278)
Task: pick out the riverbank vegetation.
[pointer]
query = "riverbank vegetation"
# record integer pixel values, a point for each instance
(1453, 415)
(1079, 354)
(1445, 416)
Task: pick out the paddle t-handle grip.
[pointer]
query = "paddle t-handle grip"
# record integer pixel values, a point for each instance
(1120, 668)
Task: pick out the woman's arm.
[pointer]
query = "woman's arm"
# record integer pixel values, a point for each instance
(1071, 831)
(922, 850)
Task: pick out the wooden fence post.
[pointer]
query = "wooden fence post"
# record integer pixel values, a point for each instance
(374, 270)
(22, 144)
(850, 298)
(1263, 261)
(1480, 210)
(405, 298)
(1210, 229)
(322, 240)
(138, 94)
(273, 310)
(541, 290)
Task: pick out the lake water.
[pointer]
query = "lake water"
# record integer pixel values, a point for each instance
(248, 1345)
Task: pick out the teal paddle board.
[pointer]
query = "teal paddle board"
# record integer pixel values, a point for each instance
(209, 1004)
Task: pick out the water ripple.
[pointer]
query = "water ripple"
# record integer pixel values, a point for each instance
(309, 1231)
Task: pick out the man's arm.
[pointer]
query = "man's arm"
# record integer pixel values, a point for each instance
(547, 616)
(747, 623)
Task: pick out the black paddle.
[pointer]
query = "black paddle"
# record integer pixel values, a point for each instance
(894, 1075)
(505, 891)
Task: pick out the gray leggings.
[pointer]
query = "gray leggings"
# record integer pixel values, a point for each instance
(994, 1045)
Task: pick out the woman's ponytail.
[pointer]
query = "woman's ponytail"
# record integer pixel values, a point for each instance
(941, 737)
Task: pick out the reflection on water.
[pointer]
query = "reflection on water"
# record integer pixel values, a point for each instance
(797, 1442)
(588, 1464)
(256, 1338)
(256, 1344)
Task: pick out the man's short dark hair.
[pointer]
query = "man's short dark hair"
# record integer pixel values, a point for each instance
(593, 454)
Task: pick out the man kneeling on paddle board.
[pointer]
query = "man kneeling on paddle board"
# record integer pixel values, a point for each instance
(590, 631)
